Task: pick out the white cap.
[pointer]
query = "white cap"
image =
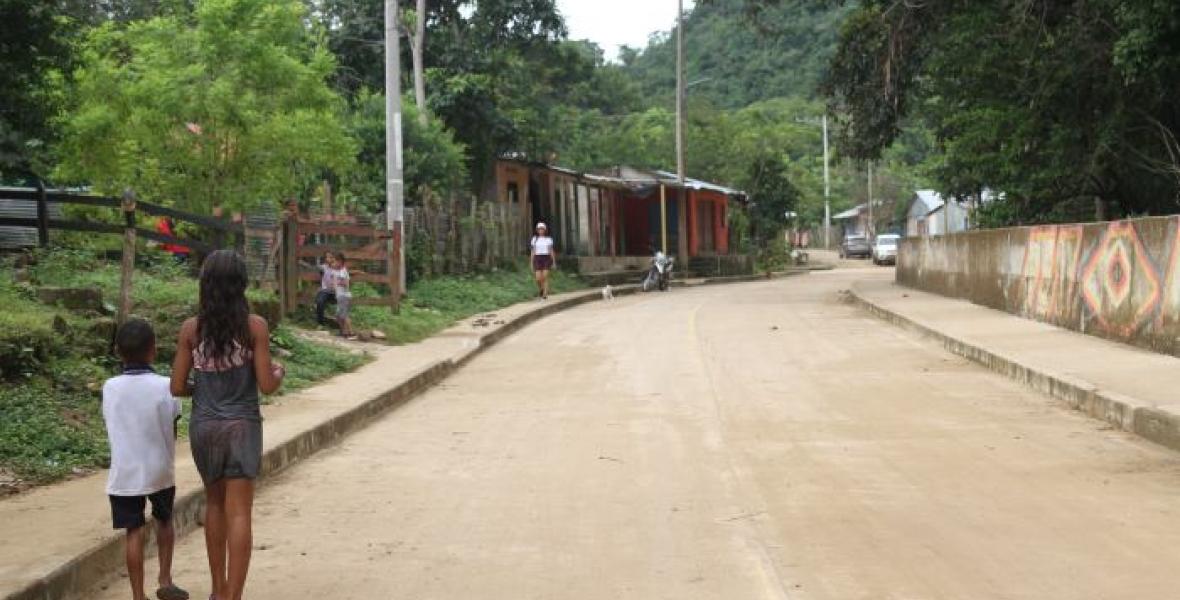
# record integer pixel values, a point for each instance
(541, 226)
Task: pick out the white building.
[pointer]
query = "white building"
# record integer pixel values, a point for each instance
(930, 214)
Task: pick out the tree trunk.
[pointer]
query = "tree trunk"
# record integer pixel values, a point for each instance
(1099, 208)
(417, 50)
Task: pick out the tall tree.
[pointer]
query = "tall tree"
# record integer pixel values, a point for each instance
(94, 12)
(477, 65)
(34, 55)
(1059, 103)
(227, 106)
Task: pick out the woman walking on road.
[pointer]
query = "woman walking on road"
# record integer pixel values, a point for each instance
(227, 350)
(543, 257)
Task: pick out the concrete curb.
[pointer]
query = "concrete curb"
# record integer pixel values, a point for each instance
(1153, 423)
(95, 564)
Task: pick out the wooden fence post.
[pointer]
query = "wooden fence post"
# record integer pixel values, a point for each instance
(128, 266)
(289, 263)
(42, 215)
(502, 230)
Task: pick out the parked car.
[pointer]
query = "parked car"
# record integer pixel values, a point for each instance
(885, 249)
(855, 245)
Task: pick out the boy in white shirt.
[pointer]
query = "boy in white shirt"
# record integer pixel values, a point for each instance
(141, 417)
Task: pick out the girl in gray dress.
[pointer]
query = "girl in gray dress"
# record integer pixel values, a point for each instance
(227, 351)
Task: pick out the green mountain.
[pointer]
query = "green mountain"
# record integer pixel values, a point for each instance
(784, 53)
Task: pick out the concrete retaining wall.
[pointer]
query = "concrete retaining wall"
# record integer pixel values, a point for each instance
(1119, 280)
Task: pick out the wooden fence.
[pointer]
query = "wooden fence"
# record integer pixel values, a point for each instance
(306, 238)
(40, 210)
(454, 238)
(462, 237)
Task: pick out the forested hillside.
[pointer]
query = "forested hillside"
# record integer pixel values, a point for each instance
(740, 57)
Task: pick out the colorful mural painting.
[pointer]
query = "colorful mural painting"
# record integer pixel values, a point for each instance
(1170, 305)
(1050, 263)
(1119, 280)
(1120, 284)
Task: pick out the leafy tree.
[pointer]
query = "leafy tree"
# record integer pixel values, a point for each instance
(495, 69)
(94, 12)
(1062, 104)
(226, 106)
(434, 161)
(33, 54)
(772, 194)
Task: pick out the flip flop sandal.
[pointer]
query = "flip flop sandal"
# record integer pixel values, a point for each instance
(172, 592)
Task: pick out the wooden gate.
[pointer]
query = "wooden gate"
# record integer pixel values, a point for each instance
(305, 239)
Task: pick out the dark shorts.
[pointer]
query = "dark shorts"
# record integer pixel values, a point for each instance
(542, 262)
(127, 511)
(226, 448)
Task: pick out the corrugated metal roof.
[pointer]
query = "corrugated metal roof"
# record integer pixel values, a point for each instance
(633, 178)
(12, 238)
(697, 184)
(856, 210)
(930, 199)
(851, 213)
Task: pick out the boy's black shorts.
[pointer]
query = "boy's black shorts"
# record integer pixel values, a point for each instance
(127, 511)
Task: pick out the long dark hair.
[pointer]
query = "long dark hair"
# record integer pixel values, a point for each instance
(223, 316)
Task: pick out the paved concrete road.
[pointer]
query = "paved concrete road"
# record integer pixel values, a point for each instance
(732, 442)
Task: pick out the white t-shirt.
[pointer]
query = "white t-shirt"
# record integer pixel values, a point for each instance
(140, 414)
(340, 280)
(542, 245)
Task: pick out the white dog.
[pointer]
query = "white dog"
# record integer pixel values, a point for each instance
(608, 293)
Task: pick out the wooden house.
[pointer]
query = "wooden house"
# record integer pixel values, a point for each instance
(618, 213)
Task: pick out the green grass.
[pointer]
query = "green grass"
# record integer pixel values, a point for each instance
(434, 304)
(51, 373)
(27, 337)
(309, 362)
(45, 433)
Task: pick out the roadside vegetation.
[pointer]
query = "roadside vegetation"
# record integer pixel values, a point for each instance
(53, 359)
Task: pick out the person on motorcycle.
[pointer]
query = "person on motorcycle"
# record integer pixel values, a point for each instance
(543, 257)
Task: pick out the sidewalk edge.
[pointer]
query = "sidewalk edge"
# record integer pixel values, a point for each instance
(1153, 423)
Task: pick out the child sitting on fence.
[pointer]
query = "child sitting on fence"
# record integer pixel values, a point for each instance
(341, 282)
(327, 293)
(140, 415)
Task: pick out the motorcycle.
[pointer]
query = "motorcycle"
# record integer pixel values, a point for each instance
(659, 276)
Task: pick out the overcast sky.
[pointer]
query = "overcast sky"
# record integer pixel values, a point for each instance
(613, 23)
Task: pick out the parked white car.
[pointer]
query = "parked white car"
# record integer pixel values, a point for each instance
(885, 249)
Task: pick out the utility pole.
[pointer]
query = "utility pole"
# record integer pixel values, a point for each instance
(680, 92)
(827, 191)
(869, 231)
(394, 185)
(682, 206)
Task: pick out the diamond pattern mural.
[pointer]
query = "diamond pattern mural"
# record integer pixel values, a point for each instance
(1120, 284)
